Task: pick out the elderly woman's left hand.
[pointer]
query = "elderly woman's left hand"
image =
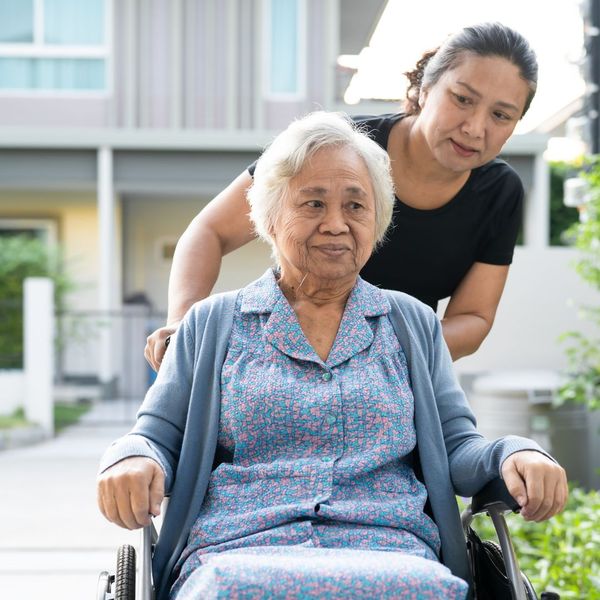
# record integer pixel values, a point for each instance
(537, 483)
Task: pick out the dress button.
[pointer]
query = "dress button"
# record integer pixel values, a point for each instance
(326, 376)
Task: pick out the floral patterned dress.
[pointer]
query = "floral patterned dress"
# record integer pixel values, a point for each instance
(321, 500)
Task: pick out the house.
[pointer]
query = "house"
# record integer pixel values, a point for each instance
(120, 120)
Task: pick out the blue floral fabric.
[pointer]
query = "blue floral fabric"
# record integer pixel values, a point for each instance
(322, 462)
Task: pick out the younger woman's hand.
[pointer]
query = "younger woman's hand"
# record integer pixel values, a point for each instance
(156, 345)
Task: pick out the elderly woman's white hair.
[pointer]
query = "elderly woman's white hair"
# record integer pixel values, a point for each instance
(289, 152)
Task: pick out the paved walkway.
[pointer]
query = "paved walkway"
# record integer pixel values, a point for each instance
(53, 540)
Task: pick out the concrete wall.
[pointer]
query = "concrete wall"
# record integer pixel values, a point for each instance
(539, 304)
(12, 390)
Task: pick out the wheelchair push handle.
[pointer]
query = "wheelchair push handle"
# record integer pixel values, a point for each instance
(494, 493)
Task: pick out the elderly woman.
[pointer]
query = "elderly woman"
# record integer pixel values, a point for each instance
(332, 405)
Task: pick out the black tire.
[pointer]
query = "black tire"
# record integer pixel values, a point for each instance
(125, 576)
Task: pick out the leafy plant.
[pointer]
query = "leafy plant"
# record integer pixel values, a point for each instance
(583, 353)
(562, 217)
(22, 257)
(561, 554)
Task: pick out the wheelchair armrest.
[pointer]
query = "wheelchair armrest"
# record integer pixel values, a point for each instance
(494, 493)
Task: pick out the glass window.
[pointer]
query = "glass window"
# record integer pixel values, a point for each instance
(16, 21)
(74, 22)
(51, 74)
(285, 52)
(53, 45)
(284, 47)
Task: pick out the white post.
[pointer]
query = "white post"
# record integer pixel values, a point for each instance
(38, 343)
(106, 236)
(537, 208)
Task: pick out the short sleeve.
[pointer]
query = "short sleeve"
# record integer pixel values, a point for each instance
(498, 244)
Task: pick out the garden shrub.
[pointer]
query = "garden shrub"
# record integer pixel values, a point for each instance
(22, 257)
(562, 217)
(583, 352)
(561, 554)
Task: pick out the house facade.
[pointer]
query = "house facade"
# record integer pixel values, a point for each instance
(120, 120)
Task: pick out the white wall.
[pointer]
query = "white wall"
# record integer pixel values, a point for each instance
(151, 221)
(539, 304)
(12, 390)
(243, 266)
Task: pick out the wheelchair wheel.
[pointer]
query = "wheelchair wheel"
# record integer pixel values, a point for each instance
(125, 576)
(529, 591)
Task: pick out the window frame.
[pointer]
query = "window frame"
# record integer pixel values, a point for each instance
(301, 41)
(38, 49)
(48, 226)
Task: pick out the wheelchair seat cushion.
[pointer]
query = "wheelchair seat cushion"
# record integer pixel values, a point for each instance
(290, 572)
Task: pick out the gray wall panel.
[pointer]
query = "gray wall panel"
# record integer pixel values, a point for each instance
(523, 165)
(66, 169)
(181, 172)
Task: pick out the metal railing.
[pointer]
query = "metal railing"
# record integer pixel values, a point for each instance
(80, 335)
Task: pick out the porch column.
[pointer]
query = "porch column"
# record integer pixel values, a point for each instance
(106, 276)
(537, 206)
(38, 343)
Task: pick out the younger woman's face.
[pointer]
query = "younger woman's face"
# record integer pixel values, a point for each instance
(469, 113)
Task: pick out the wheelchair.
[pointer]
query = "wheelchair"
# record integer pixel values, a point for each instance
(504, 571)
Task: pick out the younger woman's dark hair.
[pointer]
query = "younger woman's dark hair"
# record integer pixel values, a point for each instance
(484, 39)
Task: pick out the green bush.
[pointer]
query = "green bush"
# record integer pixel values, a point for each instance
(562, 217)
(561, 554)
(21, 257)
(583, 353)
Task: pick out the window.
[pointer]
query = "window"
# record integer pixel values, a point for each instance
(40, 229)
(285, 49)
(53, 45)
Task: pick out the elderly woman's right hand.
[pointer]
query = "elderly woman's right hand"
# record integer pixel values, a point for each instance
(131, 491)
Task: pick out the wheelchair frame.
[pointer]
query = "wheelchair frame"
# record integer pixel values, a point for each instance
(493, 499)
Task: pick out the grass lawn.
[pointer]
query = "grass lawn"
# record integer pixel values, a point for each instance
(16, 419)
(69, 414)
(64, 415)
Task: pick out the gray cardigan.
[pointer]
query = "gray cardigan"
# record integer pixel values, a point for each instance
(177, 425)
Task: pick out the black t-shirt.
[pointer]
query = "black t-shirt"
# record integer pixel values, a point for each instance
(428, 252)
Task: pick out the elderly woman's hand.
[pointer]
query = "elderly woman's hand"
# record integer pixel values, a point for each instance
(537, 483)
(131, 491)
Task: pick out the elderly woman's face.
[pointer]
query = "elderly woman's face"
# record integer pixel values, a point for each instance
(326, 228)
